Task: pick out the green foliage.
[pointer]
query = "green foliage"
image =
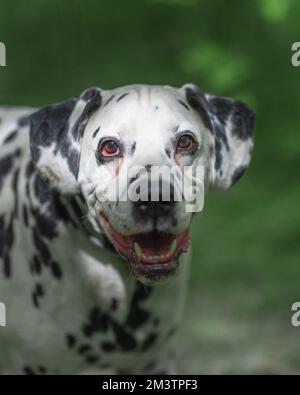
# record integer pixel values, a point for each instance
(275, 10)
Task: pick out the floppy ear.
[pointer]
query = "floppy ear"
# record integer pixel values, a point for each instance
(232, 124)
(55, 138)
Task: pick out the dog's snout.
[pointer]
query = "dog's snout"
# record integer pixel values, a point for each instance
(153, 209)
(161, 206)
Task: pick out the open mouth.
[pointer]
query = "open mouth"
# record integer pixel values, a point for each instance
(153, 255)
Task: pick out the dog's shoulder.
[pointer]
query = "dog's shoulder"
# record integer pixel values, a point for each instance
(14, 151)
(14, 127)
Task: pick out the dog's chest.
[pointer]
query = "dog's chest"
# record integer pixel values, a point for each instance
(110, 320)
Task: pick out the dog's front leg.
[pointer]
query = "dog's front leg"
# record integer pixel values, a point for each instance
(107, 280)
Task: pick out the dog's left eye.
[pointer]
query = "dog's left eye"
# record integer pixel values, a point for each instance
(109, 148)
(186, 142)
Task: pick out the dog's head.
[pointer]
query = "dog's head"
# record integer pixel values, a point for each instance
(143, 157)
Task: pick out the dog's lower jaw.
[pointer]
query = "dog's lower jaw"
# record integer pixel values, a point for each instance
(151, 257)
(154, 274)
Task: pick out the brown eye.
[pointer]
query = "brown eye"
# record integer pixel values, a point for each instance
(109, 148)
(185, 142)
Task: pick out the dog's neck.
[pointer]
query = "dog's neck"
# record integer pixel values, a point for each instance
(78, 213)
(49, 207)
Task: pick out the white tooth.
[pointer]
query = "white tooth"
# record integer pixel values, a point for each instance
(137, 249)
(173, 246)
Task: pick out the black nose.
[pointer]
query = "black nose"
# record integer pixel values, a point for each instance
(161, 207)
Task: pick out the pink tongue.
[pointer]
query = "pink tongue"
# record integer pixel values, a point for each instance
(154, 243)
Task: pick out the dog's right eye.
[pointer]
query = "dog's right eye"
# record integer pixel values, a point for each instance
(109, 148)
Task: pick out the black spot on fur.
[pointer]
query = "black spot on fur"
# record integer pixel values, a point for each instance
(84, 349)
(92, 359)
(41, 189)
(137, 316)
(42, 370)
(44, 252)
(10, 137)
(132, 148)
(197, 100)
(87, 330)
(41, 246)
(71, 340)
(91, 93)
(108, 346)
(109, 100)
(183, 104)
(23, 121)
(238, 174)
(2, 233)
(29, 170)
(96, 132)
(57, 209)
(72, 156)
(218, 152)
(93, 102)
(243, 120)
(15, 181)
(37, 294)
(56, 270)
(6, 165)
(125, 340)
(79, 212)
(122, 96)
(220, 134)
(36, 265)
(98, 322)
(221, 107)
(149, 341)
(242, 117)
(46, 225)
(6, 242)
(15, 190)
(114, 304)
(168, 152)
(31, 372)
(25, 215)
(28, 371)
(7, 266)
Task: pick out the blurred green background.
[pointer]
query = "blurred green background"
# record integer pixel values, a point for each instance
(246, 270)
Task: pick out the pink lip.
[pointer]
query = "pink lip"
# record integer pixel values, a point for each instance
(149, 249)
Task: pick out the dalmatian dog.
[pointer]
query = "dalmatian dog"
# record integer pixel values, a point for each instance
(91, 283)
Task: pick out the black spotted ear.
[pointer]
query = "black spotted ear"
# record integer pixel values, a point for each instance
(232, 125)
(55, 138)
